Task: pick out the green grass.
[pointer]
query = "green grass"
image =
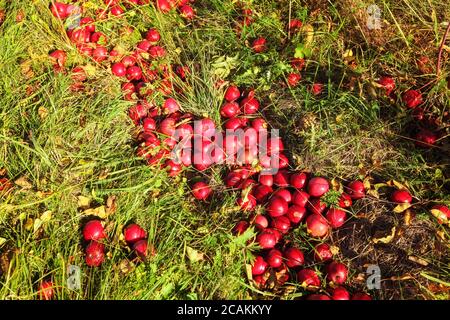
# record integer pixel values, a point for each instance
(83, 146)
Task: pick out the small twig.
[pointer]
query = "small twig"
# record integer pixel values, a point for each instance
(441, 47)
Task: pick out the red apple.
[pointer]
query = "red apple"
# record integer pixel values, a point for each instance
(356, 190)
(308, 278)
(294, 257)
(322, 253)
(95, 254)
(317, 226)
(318, 186)
(337, 272)
(93, 230)
(336, 217)
(134, 233)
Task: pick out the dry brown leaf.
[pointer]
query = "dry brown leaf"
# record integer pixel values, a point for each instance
(103, 175)
(441, 234)
(24, 183)
(401, 278)
(26, 70)
(111, 205)
(418, 260)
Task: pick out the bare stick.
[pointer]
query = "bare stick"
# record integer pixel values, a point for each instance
(438, 68)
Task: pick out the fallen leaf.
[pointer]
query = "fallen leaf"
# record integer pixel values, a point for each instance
(441, 235)
(386, 239)
(111, 205)
(398, 185)
(401, 278)
(42, 112)
(336, 185)
(440, 216)
(2, 241)
(26, 70)
(37, 224)
(194, 255)
(46, 216)
(84, 202)
(126, 266)
(401, 207)
(29, 224)
(42, 194)
(98, 212)
(374, 193)
(367, 183)
(380, 185)
(409, 215)
(90, 70)
(308, 30)
(417, 260)
(334, 250)
(24, 183)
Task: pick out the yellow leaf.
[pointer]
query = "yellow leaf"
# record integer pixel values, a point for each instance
(380, 185)
(37, 224)
(347, 53)
(194, 255)
(42, 112)
(441, 216)
(46, 216)
(334, 250)
(402, 207)
(408, 217)
(23, 182)
(308, 30)
(99, 212)
(367, 183)
(398, 185)
(248, 271)
(42, 194)
(386, 239)
(2, 241)
(90, 70)
(84, 202)
(336, 185)
(374, 193)
(29, 224)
